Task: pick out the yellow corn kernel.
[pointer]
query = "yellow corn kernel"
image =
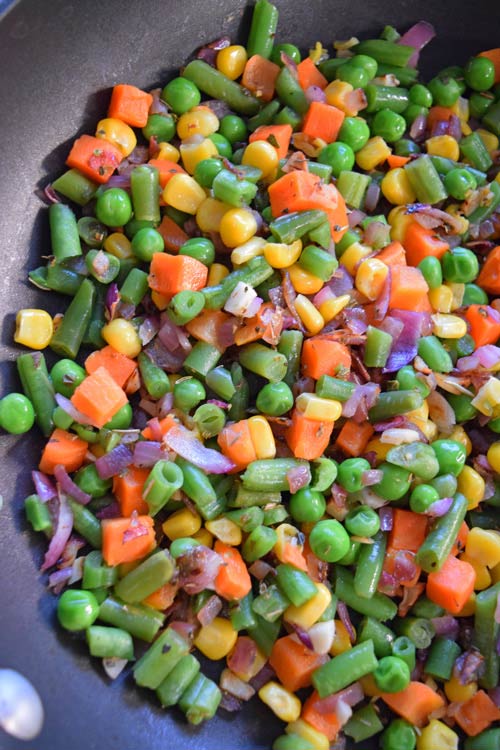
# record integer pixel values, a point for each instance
(421, 413)
(354, 255)
(454, 209)
(379, 448)
(217, 639)
(304, 282)
(181, 523)
(458, 433)
(198, 121)
(461, 109)
(373, 153)
(307, 614)
(183, 192)
(472, 485)
(231, 61)
(483, 545)
(370, 277)
(203, 536)
(437, 736)
(159, 300)
(493, 456)
(448, 326)
(248, 250)
(487, 399)
(225, 530)
(279, 255)
(318, 740)
(262, 155)
(483, 578)
(399, 221)
(168, 151)
(396, 187)
(337, 94)
(122, 335)
(119, 245)
(34, 328)
(331, 307)
(458, 291)
(192, 153)
(470, 606)
(309, 314)
(489, 139)
(250, 670)
(458, 693)
(369, 686)
(216, 273)
(262, 437)
(341, 641)
(210, 213)
(441, 298)
(281, 701)
(443, 145)
(118, 133)
(287, 534)
(319, 409)
(428, 427)
(237, 226)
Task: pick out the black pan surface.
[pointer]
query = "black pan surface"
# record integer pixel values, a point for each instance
(58, 61)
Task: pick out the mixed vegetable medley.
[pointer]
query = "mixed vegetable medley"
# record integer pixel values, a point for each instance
(273, 421)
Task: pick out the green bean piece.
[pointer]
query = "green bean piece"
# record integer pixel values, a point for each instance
(154, 379)
(405, 649)
(86, 523)
(487, 740)
(218, 86)
(159, 660)
(263, 361)
(293, 226)
(175, 683)
(231, 189)
(270, 474)
(444, 166)
(239, 400)
(37, 386)
(318, 261)
(184, 306)
(423, 607)
(369, 566)
(102, 266)
(345, 669)
(393, 98)
(165, 479)
(38, 514)
(134, 287)
(405, 76)
(93, 335)
(364, 723)
(220, 382)
(245, 498)
(441, 659)
(210, 419)
(491, 119)
(385, 52)
(473, 149)
(377, 347)
(287, 116)
(481, 213)
(265, 634)
(38, 277)
(241, 613)
(197, 487)
(486, 633)
(275, 514)
(96, 574)
(289, 92)
(418, 630)
(265, 116)
(147, 577)
(258, 543)
(247, 518)
(61, 418)
(202, 358)
(439, 542)
(200, 700)
(392, 403)
(419, 458)
(145, 187)
(333, 388)
(64, 236)
(292, 741)
(255, 272)
(290, 346)
(262, 29)
(75, 186)
(329, 67)
(353, 186)
(139, 620)
(271, 604)
(380, 607)
(109, 643)
(383, 638)
(425, 180)
(68, 337)
(62, 279)
(296, 585)
(323, 474)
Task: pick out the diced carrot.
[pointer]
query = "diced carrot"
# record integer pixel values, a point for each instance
(207, 326)
(294, 663)
(277, 135)
(393, 254)
(402, 560)
(494, 56)
(118, 365)
(163, 597)
(484, 324)
(463, 533)
(437, 113)
(169, 274)
(452, 585)
(300, 191)
(322, 356)
(233, 579)
(99, 397)
(476, 714)
(292, 553)
(315, 566)
(166, 169)
(414, 703)
(173, 235)
(323, 121)
(63, 448)
(421, 242)
(130, 104)
(309, 75)
(489, 275)
(307, 438)
(395, 161)
(256, 327)
(127, 539)
(408, 530)
(235, 442)
(127, 488)
(95, 158)
(323, 721)
(260, 76)
(164, 425)
(354, 437)
(409, 290)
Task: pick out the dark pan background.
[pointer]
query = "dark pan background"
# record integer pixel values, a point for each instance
(58, 60)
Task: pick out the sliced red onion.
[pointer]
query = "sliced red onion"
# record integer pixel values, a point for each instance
(59, 579)
(440, 507)
(351, 696)
(161, 356)
(405, 345)
(150, 407)
(381, 305)
(355, 319)
(468, 666)
(372, 196)
(417, 129)
(410, 596)
(242, 658)
(324, 294)
(343, 613)
(355, 100)
(386, 516)
(136, 529)
(71, 410)
(276, 296)
(298, 477)
(173, 336)
(51, 194)
(455, 128)
(44, 487)
(371, 477)
(489, 355)
(62, 531)
(208, 52)
(405, 567)
(290, 64)
(253, 308)
(232, 684)
(147, 453)
(109, 511)
(230, 703)
(185, 444)
(315, 94)
(496, 615)
(69, 487)
(165, 405)
(148, 329)
(114, 666)
(296, 162)
(209, 611)
(260, 570)
(418, 36)
(446, 626)
(198, 569)
(441, 412)
(436, 216)
(494, 694)
(370, 498)
(114, 462)
(341, 281)
(112, 298)
(355, 217)
(303, 636)
(361, 400)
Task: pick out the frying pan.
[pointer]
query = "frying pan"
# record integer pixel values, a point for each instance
(58, 61)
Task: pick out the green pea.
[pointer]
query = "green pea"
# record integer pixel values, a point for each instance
(460, 265)
(200, 248)
(91, 231)
(16, 413)
(161, 127)
(445, 484)
(445, 90)
(275, 399)
(188, 393)
(434, 354)
(181, 95)
(354, 132)
(455, 72)
(114, 207)
(121, 420)
(339, 156)
(479, 104)
(420, 94)
(307, 506)
(369, 64)
(324, 473)
(223, 145)
(351, 472)
(474, 295)
(89, 481)
(289, 49)
(395, 482)
(413, 111)
(399, 734)
(77, 609)
(392, 674)
(406, 147)
(210, 419)
(409, 380)
(458, 182)
(362, 521)
(206, 171)
(494, 425)
(182, 545)
(65, 376)
(329, 540)
(422, 497)
(462, 406)
(388, 125)
(357, 76)
(103, 266)
(431, 271)
(451, 456)
(146, 242)
(479, 74)
(233, 128)
(352, 554)
(461, 347)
